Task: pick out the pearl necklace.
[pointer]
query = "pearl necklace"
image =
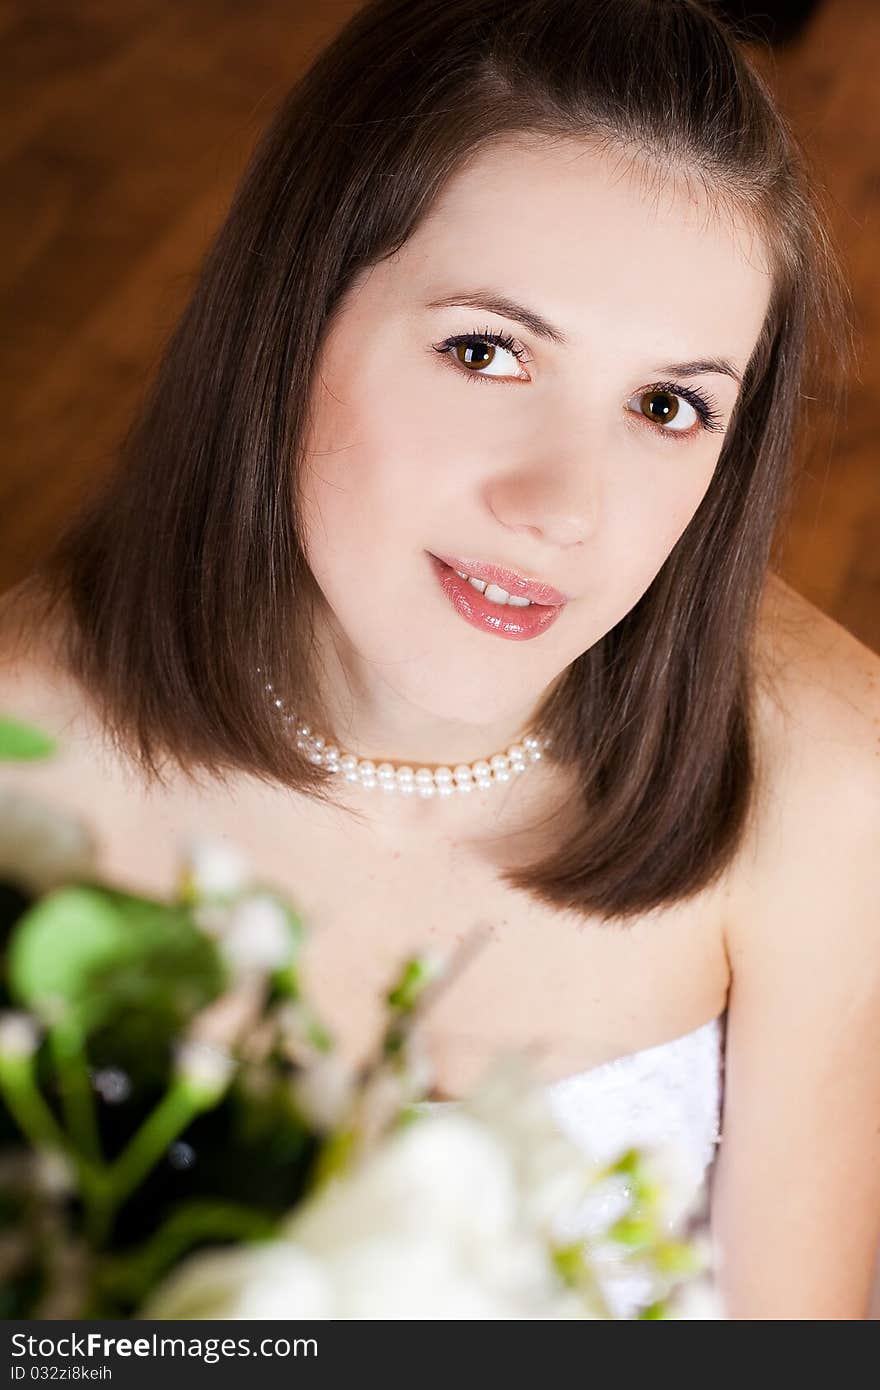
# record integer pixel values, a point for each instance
(409, 781)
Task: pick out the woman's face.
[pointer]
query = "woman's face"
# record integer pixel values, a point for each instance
(560, 458)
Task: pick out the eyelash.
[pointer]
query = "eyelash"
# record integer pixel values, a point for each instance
(710, 419)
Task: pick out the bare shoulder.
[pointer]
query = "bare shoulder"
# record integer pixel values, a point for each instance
(815, 831)
(818, 705)
(803, 941)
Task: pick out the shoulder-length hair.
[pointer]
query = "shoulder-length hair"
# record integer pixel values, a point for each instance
(184, 572)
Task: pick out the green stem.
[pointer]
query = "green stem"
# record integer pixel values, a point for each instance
(28, 1108)
(132, 1275)
(177, 1108)
(77, 1097)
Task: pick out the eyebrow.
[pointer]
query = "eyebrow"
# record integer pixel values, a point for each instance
(496, 303)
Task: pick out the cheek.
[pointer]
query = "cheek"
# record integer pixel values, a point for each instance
(647, 521)
(362, 489)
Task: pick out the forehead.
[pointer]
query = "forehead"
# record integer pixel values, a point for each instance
(600, 244)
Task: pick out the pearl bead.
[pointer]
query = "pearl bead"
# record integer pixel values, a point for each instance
(424, 782)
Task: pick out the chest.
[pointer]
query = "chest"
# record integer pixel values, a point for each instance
(570, 992)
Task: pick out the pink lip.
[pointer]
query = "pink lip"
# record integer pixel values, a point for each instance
(508, 580)
(516, 624)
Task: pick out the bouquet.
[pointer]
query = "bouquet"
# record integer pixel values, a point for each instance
(178, 1138)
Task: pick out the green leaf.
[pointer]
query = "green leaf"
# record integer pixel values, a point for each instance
(19, 742)
(90, 952)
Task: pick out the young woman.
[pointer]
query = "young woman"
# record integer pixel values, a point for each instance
(440, 658)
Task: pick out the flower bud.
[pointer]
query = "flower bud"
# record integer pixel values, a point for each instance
(205, 1070)
(19, 1034)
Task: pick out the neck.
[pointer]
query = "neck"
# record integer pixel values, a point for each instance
(363, 715)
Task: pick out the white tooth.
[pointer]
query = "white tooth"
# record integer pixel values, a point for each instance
(495, 593)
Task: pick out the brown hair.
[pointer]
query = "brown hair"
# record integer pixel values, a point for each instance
(184, 572)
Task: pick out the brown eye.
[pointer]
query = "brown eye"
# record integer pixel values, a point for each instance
(667, 409)
(475, 354)
(659, 406)
(482, 355)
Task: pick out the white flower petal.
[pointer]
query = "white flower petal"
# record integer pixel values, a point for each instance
(269, 1279)
(214, 868)
(443, 1173)
(256, 936)
(698, 1300)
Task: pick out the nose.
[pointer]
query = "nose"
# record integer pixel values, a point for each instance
(555, 499)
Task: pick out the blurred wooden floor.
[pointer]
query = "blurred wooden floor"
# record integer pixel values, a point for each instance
(125, 126)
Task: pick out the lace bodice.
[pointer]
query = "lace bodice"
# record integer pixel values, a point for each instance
(670, 1093)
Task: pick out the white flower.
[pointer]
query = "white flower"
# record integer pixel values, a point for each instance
(256, 936)
(699, 1300)
(554, 1175)
(42, 846)
(213, 868)
(675, 1172)
(427, 1226)
(424, 1276)
(423, 1178)
(451, 1216)
(19, 1033)
(269, 1279)
(323, 1091)
(204, 1068)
